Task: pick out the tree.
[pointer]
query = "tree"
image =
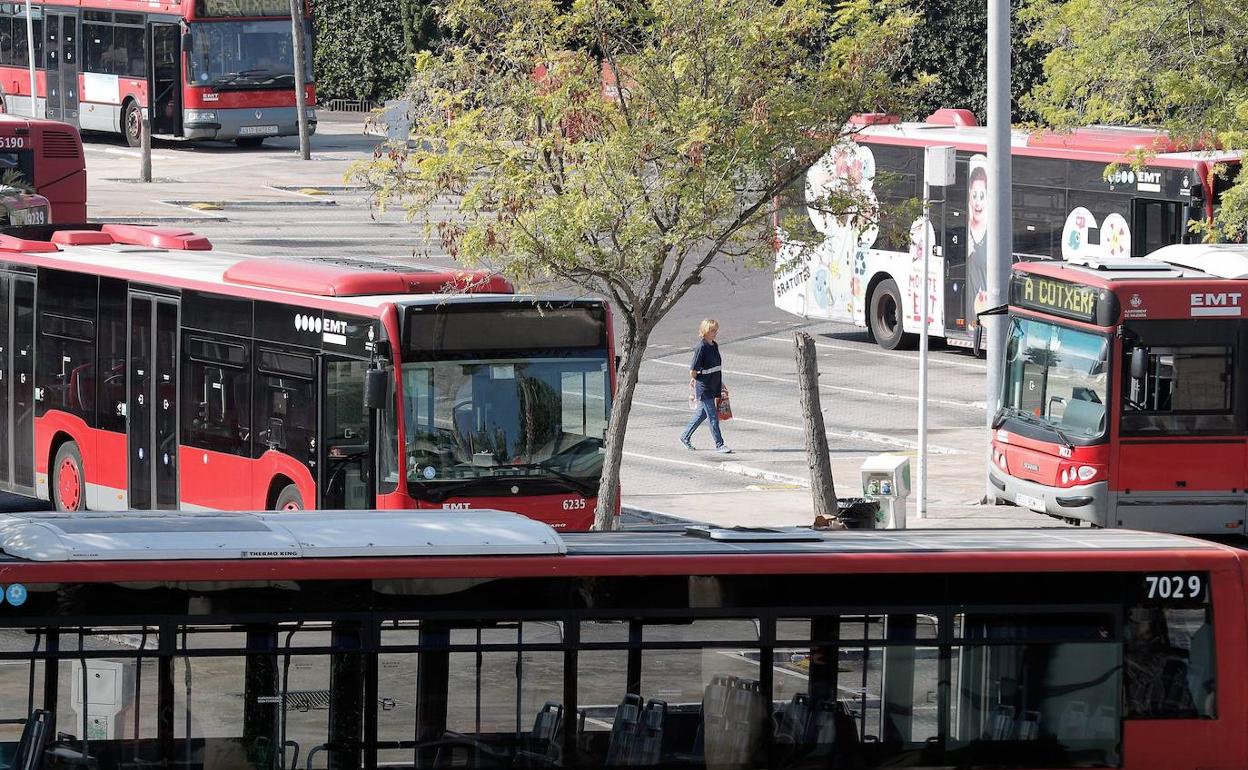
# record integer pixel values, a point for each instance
(361, 49)
(628, 146)
(1181, 66)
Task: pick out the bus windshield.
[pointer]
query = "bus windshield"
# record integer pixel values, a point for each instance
(243, 55)
(1055, 376)
(506, 417)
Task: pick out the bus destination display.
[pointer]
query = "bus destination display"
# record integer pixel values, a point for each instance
(245, 8)
(1061, 298)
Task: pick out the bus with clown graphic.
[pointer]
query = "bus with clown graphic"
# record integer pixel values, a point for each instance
(1077, 194)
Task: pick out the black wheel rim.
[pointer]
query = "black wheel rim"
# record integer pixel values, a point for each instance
(886, 315)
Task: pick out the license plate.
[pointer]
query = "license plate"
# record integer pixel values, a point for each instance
(254, 130)
(1027, 501)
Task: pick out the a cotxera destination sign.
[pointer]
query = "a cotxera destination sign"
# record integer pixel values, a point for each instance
(1063, 298)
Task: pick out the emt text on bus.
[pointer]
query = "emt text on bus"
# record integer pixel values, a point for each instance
(141, 369)
(1069, 198)
(1125, 401)
(428, 640)
(206, 69)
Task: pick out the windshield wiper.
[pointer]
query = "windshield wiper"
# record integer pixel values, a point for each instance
(586, 488)
(1008, 411)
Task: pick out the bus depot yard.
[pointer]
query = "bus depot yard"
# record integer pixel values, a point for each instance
(281, 206)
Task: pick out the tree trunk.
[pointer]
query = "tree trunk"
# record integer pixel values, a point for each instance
(821, 485)
(606, 514)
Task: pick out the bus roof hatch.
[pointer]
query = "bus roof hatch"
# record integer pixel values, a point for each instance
(351, 277)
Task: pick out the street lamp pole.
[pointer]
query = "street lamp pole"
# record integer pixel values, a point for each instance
(30, 55)
(1000, 208)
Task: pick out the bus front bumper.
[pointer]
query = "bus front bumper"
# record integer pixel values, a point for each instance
(226, 125)
(1089, 502)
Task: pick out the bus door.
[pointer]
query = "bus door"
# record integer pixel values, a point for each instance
(1156, 223)
(17, 383)
(152, 403)
(346, 445)
(60, 42)
(950, 218)
(164, 84)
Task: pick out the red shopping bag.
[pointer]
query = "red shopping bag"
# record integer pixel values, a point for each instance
(724, 407)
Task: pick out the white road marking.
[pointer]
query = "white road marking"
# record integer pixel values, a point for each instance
(839, 388)
(875, 351)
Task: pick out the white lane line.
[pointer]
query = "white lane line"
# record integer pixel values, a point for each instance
(876, 352)
(839, 388)
(670, 461)
(859, 435)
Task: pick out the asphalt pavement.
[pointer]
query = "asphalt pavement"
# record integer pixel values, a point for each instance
(266, 201)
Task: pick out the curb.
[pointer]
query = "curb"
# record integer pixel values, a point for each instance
(651, 517)
(239, 204)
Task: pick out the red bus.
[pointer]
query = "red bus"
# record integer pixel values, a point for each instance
(45, 156)
(1064, 205)
(142, 369)
(426, 640)
(1125, 399)
(207, 69)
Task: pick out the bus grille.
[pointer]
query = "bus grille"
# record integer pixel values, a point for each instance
(58, 144)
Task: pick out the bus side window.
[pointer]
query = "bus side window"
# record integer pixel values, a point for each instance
(1168, 663)
(1187, 383)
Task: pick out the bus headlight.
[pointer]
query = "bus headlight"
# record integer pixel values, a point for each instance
(1086, 472)
(200, 116)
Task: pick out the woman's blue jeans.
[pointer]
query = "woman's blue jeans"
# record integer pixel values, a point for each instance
(709, 412)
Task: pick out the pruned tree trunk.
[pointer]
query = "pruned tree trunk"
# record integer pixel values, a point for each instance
(606, 513)
(821, 484)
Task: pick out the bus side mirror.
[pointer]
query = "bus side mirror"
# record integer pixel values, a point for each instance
(1139, 363)
(376, 388)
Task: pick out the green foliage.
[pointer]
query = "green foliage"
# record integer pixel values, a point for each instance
(951, 43)
(364, 48)
(632, 190)
(1149, 62)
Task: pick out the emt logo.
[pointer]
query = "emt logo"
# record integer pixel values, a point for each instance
(1223, 303)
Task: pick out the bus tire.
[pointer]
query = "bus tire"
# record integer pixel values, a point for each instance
(288, 499)
(69, 488)
(132, 124)
(884, 317)
(249, 141)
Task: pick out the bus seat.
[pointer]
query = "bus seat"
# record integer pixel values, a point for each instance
(82, 238)
(1029, 726)
(1105, 723)
(543, 749)
(648, 749)
(1074, 721)
(36, 735)
(1087, 416)
(1000, 724)
(793, 722)
(624, 730)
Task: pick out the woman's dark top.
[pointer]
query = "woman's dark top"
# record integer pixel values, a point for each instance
(706, 362)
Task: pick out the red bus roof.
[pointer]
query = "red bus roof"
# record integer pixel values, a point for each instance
(171, 546)
(182, 259)
(1106, 144)
(187, 8)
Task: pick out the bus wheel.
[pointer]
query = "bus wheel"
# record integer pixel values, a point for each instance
(68, 487)
(885, 316)
(132, 124)
(289, 499)
(249, 141)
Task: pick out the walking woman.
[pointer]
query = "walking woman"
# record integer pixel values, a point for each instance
(707, 384)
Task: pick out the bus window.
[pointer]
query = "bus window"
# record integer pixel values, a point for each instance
(1155, 224)
(1169, 662)
(216, 403)
(1187, 385)
(345, 476)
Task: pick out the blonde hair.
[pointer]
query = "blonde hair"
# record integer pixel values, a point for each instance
(707, 326)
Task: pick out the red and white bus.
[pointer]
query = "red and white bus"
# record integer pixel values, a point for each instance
(144, 370)
(207, 69)
(1125, 397)
(427, 640)
(45, 156)
(868, 271)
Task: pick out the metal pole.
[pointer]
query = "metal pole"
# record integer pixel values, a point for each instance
(1000, 208)
(30, 50)
(923, 343)
(301, 99)
(145, 144)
